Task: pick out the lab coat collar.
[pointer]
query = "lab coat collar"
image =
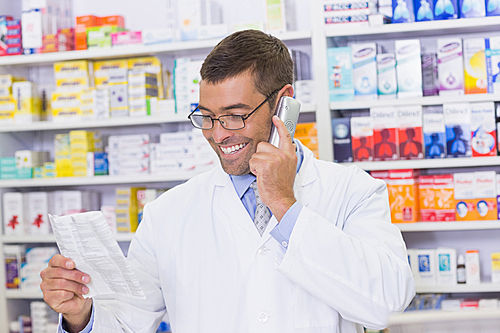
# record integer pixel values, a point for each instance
(232, 205)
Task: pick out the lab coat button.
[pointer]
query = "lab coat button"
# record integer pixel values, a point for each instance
(263, 317)
(263, 250)
(284, 243)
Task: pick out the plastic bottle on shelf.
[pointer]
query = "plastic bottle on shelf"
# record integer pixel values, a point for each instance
(461, 269)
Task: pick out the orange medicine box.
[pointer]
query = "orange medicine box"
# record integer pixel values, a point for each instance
(112, 20)
(82, 23)
(403, 195)
(444, 198)
(427, 195)
(465, 202)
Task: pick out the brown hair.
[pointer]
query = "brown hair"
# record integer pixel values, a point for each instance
(265, 56)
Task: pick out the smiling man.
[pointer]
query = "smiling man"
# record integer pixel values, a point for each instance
(274, 240)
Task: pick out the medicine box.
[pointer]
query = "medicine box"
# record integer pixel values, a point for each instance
(124, 38)
(424, 10)
(362, 138)
(128, 141)
(457, 123)
(364, 64)
(434, 132)
(340, 80)
(386, 76)
(485, 192)
(492, 54)
(13, 214)
(447, 266)
(341, 132)
(402, 11)
(82, 23)
(475, 78)
(408, 68)
(98, 37)
(385, 133)
(472, 267)
(37, 206)
(403, 195)
(471, 8)
(445, 10)
(444, 197)
(450, 66)
(465, 203)
(427, 199)
(157, 36)
(410, 132)
(495, 267)
(67, 69)
(184, 138)
(427, 267)
(492, 8)
(483, 129)
(430, 81)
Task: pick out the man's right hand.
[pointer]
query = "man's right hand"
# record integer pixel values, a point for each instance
(63, 288)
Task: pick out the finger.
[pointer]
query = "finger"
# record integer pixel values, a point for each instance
(53, 285)
(285, 137)
(62, 273)
(60, 261)
(58, 296)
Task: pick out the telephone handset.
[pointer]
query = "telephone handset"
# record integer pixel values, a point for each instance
(288, 111)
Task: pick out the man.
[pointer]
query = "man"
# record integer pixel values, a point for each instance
(328, 260)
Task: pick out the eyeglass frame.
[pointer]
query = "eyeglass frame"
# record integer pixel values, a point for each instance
(243, 118)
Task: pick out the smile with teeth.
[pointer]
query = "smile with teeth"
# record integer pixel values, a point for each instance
(232, 149)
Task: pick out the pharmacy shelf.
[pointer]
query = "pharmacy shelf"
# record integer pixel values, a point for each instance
(448, 226)
(428, 163)
(98, 180)
(30, 239)
(108, 122)
(429, 100)
(19, 294)
(417, 29)
(460, 288)
(131, 51)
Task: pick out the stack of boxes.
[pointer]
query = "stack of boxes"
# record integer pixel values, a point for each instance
(62, 155)
(28, 160)
(82, 145)
(128, 154)
(73, 79)
(126, 209)
(43, 318)
(338, 11)
(92, 31)
(10, 36)
(46, 26)
(176, 152)
(142, 87)
(7, 102)
(28, 103)
(186, 84)
(8, 168)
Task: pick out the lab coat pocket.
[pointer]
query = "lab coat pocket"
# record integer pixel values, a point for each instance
(313, 312)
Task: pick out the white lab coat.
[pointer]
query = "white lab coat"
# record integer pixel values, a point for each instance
(198, 255)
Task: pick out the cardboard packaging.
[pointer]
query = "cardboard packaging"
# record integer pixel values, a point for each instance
(424, 10)
(362, 138)
(341, 87)
(492, 54)
(387, 83)
(495, 267)
(364, 64)
(472, 268)
(409, 68)
(474, 8)
(403, 195)
(341, 131)
(385, 133)
(82, 23)
(485, 194)
(492, 8)
(37, 207)
(434, 132)
(430, 81)
(465, 203)
(14, 257)
(457, 123)
(13, 214)
(427, 198)
(124, 38)
(444, 198)
(402, 11)
(410, 132)
(445, 10)
(450, 65)
(447, 266)
(483, 131)
(427, 267)
(307, 133)
(475, 78)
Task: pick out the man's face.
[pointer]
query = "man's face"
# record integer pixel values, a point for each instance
(235, 96)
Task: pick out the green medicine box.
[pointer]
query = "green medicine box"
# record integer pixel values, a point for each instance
(101, 36)
(24, 173)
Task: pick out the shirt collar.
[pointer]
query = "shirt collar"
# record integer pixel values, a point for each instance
(242, 183)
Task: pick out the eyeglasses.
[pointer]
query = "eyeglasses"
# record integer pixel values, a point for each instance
(229, 122)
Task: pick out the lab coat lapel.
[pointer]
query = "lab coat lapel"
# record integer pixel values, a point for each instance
(231, 205)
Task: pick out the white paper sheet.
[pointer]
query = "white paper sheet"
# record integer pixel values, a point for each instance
(87, 239)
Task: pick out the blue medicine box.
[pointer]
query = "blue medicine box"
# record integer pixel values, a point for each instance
(445, 9)
(402, 11)
(424, 10)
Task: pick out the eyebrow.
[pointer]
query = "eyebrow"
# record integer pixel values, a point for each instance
(229, 107)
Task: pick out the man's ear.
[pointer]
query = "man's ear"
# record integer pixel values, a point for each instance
(287, 90)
